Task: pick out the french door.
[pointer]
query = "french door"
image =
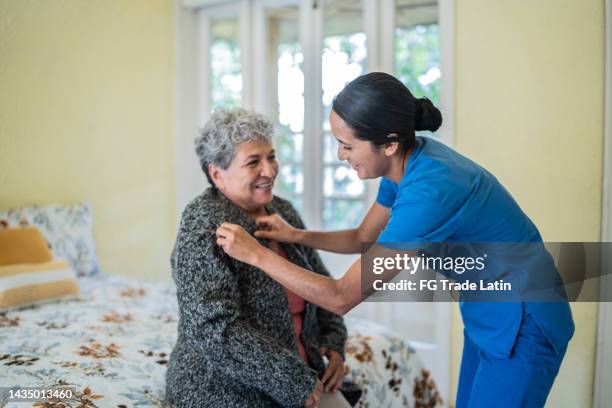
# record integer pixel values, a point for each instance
(287, 59)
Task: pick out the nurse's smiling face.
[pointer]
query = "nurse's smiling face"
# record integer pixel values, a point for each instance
(368, 160)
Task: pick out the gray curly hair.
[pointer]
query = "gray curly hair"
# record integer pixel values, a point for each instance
(226, 129)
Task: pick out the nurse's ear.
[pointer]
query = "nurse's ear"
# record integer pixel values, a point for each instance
(391, 147)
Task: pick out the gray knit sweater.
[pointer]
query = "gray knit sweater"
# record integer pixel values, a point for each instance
(236, 343)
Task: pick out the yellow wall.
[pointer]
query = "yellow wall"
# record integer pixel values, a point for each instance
(86, 113)
(529, 107)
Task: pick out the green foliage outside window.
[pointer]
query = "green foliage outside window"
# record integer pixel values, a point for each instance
(417, 53)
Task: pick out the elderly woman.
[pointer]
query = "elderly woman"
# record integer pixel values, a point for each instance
(243, 340)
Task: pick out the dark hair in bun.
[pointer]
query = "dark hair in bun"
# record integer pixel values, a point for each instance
(377, 104)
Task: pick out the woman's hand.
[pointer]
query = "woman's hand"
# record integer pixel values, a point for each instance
(275, 228)
(334, 373)
(315, 396)
(238, 244)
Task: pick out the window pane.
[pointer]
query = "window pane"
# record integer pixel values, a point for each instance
(298, 203)
(286, 104)
(341, 181)
(289, 146)
(417, 47)
(226, 78)
(330, 149)
(290, 81)
(344, 59)
(339, 214)
(290, 180)
(344, 49)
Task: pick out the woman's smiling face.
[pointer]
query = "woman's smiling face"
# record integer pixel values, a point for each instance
(366, 159)
(249, 179)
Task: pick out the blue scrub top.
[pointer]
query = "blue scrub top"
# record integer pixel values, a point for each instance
(445, 197)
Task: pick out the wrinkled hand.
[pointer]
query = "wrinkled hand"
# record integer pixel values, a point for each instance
(237, 243)
(315, 396)
(275, 228)
(334, 373)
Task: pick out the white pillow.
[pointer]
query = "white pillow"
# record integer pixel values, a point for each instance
(67, 228)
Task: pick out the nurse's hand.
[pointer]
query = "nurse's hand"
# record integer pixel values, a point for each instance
(275, 228)
(238, 244)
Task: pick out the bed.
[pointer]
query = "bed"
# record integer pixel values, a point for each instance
(111, 344)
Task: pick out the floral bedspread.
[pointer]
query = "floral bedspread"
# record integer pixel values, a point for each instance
(112, 343)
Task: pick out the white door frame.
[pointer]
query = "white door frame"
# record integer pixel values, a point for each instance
(602, 394)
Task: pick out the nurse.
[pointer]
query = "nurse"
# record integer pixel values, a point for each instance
(428, 193)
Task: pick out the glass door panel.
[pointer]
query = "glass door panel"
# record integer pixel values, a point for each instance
(417, 47)
(286, 105)
(344, 58)
(225, 72)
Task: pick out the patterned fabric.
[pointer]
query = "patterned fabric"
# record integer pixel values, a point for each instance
(236, 342)
(112, 346)
(67, 228)
(28, 284)
(387, 369)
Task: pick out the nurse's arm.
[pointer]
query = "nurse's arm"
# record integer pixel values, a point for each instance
(342, 242)
(336, 295)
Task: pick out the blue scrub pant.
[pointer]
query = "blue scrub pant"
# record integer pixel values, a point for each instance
(522, 380)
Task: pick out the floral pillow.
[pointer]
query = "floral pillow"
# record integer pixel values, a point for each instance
(67, 228)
